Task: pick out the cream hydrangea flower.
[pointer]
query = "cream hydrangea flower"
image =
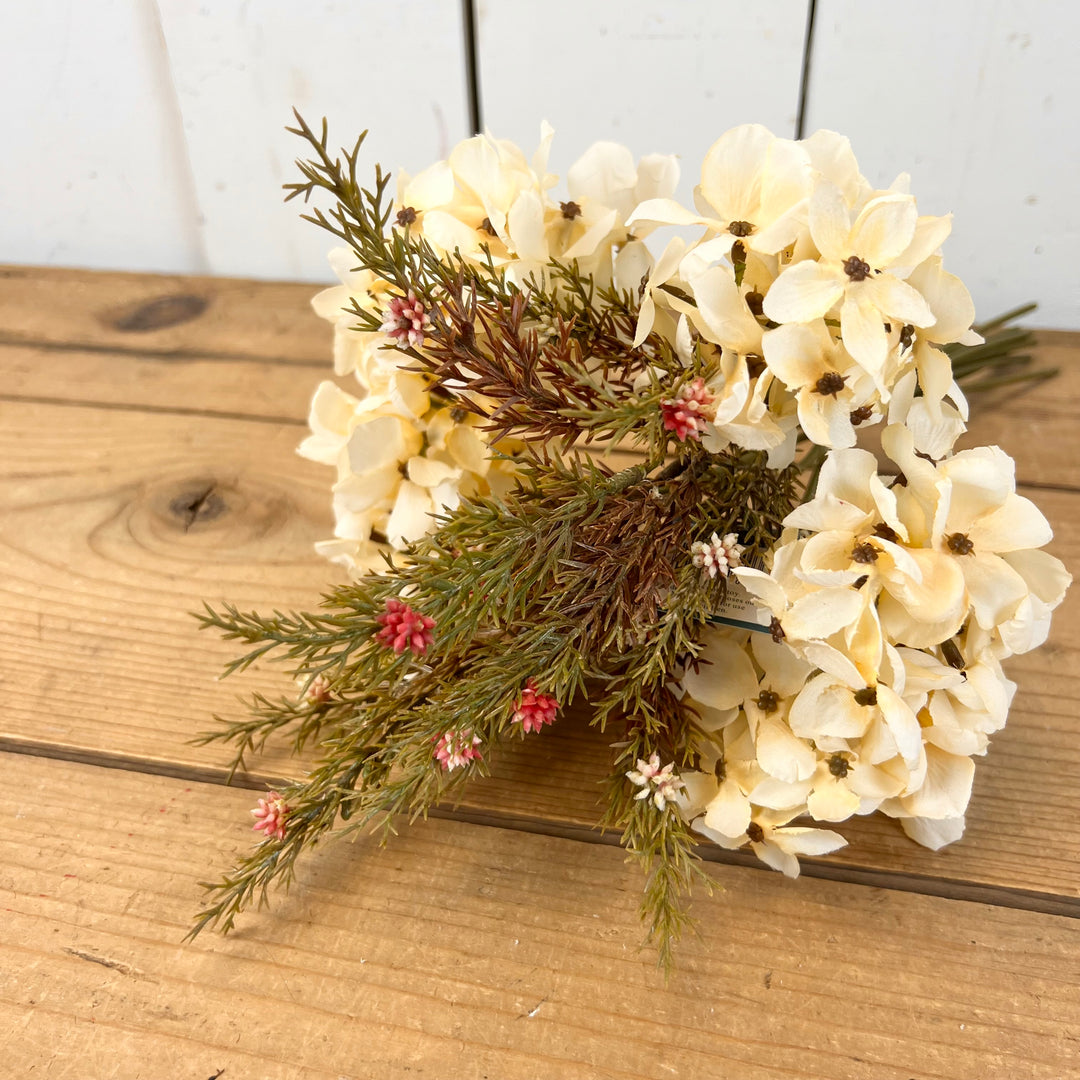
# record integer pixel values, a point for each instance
(717, 789)
(748, 408)
(953, 311)
(753, 192)
(355, 350)
(832, 391)
(399, 463)
(853, 273)
(844, 784)
(775, 842)
(779, 751)
(606, 174)
(965, 510)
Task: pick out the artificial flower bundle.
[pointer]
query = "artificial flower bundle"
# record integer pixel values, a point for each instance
(788, 607)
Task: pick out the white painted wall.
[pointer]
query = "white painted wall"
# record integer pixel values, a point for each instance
(239, 68)
(664, 78)
(148, 134)
(93, 166)
(980, 101)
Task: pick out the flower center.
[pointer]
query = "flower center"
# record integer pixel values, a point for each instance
(960, 544)
(883, 532)
(570, 210)
(861, 415)
(776, 630)
(756, 303)
(839, 766)
(832, 382)
(906, 335)
(866, 696)
(740, 228)
(755, 365)
(405, 216)
(953, 656)
(864, 553)
(755, 832)
(856, 268)
(767, 701)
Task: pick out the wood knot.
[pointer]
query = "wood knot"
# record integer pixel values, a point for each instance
(158, 314)
(200, 503)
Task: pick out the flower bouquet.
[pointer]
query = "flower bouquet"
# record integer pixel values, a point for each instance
(694, 467)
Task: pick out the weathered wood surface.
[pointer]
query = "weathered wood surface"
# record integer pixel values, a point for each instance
(161, 314)
(116, 524)
(470, 952)
(221, 346)
(142, 471)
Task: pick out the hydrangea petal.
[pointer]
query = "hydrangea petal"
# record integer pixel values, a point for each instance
(948, 298)
(830, 223)
(605, 172)
(411, 516)
(995, 588)
(728, 811)
(804, 841)
(664, 212)
(883, 229)
(821, 614)
(946, 791)
(934, 833)
(930, 234)
(430, 188)
(832, 801)
(778, 859)
(1017, 524)
(896, 299)
(863, 331)
(1044, 574)
(781, 753)
(804, 292)
(725, 677)
(732, 170)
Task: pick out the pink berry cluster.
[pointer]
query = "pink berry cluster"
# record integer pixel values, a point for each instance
(687, 413)
(270, 816)
(533, 710)
(403, 628)
(455, 748)
(404, 320)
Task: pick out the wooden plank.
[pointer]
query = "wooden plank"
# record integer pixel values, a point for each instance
(397, 69)
(95, 164)
(101, 563)
(279, 392)
(1035, 424)
(160, 315)
(616, 59)
(104, 558)
(514, 955)
(227, 347)
(988, 135)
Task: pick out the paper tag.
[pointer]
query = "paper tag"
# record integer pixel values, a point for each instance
(741, 609)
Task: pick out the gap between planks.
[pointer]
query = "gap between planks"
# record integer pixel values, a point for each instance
(133, 352)
(896, 881)
(166, 410)
(620, 452)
